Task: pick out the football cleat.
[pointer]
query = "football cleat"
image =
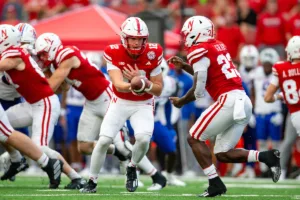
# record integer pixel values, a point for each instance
(76, 184)
(15, 168)
(89, 187)
(159, 182)
(54, 169)
(273, 162)
(216, 188)
(132, 181)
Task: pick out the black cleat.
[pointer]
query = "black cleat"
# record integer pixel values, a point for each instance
(14, 168)
(76, 184)
(272, 160)
(89, 187)
(54, 169)
(132, 181)
(158, 182)
(216, 188)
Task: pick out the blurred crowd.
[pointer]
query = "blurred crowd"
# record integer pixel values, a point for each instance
(262, 23)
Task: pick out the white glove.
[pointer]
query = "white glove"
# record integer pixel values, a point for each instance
(277, 119)
(252, 121)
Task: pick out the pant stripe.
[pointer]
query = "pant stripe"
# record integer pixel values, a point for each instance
(43, 121)
(213, 115)
(207, 118)
(48, 121)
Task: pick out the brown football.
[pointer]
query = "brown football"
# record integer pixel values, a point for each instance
(138, 83)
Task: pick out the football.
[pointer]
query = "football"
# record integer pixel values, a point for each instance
(139, 83)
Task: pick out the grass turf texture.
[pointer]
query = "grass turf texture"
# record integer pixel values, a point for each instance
(113, 188)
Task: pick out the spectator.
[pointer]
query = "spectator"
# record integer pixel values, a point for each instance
(10, 15)
(8, 7)
(246, 19)
(257, 5)
(271, 29)
(73, 4)
(293, 25)
(54, 7)
(35, 8)
(236, 39)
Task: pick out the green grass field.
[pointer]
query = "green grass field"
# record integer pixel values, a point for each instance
(112, 188)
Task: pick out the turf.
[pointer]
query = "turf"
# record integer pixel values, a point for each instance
(112, 188)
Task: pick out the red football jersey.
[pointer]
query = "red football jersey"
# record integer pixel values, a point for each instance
(222, 76)
(289, 83)
(87, 79)
(30, 82)
(149, 60)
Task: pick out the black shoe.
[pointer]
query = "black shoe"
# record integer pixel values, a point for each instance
(272, 159)
(54, 169)
(89, 187)
(76, 184)
(15, 168)
(158, 178)
(216, 188)
(132, 181)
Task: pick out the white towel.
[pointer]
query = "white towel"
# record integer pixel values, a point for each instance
(239, 108)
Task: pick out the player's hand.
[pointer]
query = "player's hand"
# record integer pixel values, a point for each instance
(175, 60)
(176, 101)
(129, 72)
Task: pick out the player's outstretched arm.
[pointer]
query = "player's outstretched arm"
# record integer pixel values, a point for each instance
(179, 63)
(117, 79)
(62, 72)
(10, 63)
(270, 95)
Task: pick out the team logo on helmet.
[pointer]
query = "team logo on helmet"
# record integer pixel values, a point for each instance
(151, 55)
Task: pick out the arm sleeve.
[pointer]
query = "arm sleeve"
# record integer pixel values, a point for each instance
(200, 68)
(156, 71)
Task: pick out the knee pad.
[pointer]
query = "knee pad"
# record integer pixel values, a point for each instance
(50, 152)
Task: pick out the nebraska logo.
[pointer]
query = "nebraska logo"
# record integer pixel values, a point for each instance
(190, 25)
(3, 35)
(48, 41)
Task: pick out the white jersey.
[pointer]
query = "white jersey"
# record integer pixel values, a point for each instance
(8, 92)
(75, 98)
(246, 76)
(261, 83)
(169, 89)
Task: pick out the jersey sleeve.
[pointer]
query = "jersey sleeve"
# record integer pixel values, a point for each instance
(160, 54)
(11, 53)
(195, 54)
(65, 54)
(274, 79)
(107, 55)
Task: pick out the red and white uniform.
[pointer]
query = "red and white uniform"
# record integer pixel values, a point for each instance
(228, 116)
(42, 107)
(287, 77)
(117, 56)
(139, 109)
(91, 82)
(5, 127)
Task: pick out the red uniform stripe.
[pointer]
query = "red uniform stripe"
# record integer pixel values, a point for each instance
(138, 25)
(2, 130)
(3, 125)
(48, 121)
(45, 107)
(204, 118)
(205, 126)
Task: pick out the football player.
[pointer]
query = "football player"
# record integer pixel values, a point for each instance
(226, 119)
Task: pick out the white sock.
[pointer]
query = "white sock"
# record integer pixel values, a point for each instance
(43, 160)
(98, 157)
(253, 156)
(147, 166)
(73, 175)
(210, 172)
(15, 156)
